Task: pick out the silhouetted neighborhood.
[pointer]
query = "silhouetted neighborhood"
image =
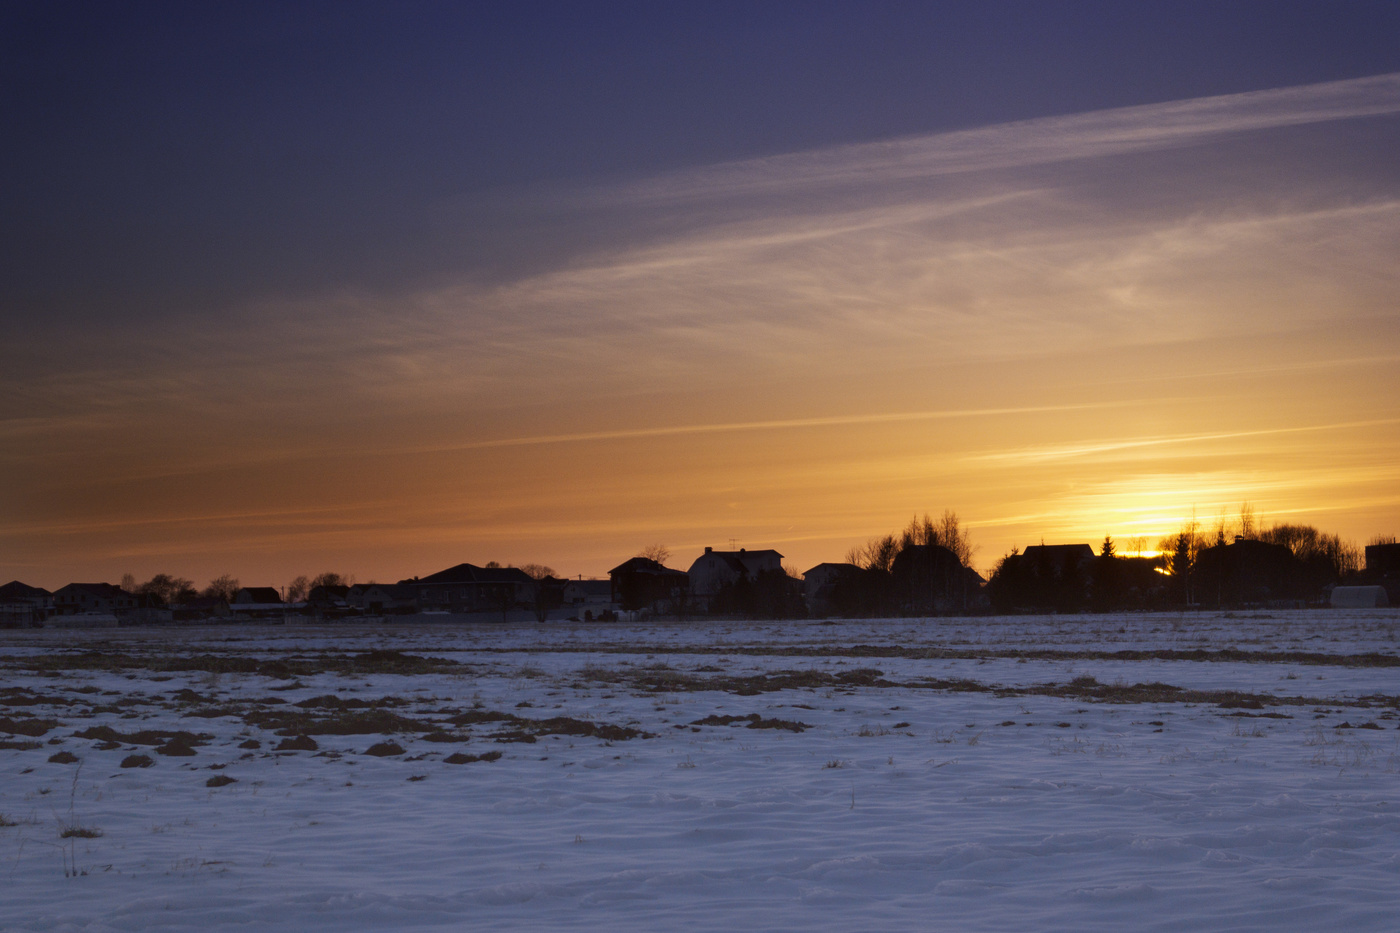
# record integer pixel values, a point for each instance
(922, 571)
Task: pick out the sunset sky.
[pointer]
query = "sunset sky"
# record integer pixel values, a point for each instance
(381, 288)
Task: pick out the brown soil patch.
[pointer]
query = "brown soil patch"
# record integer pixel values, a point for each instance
(362, 722)
(753, 721)
(384, 749)
(29, 727)
(459, 758)
(144, 737)
(300, 743)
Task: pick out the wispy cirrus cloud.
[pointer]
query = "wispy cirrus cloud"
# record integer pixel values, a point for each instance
(1028, 143)
(983, 319)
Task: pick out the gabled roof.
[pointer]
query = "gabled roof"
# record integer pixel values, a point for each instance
(102, 590)
(470, 573)
(1056, 553)
(17, 590)
(832, 567)
(259, 594)
(644, 565)
(738, 560)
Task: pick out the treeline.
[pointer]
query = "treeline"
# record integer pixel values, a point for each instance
(164, 590)
(924, 569)
(1232, 563)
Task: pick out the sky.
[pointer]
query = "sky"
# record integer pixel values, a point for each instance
(382, 288)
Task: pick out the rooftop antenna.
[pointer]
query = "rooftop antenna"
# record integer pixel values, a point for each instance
(733, 544)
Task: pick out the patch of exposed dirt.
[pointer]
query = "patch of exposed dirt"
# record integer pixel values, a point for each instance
(29, 727)
(460, 758)
(366, 662)
(331, 701)
(658, 681)
(177, 747)
(299, 743)
(21, 696)
(754, 721)
(363, 722)
(384, 749)
(1367, 659)
(528, 730)
(144, 737)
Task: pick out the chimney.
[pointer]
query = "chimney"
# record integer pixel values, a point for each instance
(708, 550)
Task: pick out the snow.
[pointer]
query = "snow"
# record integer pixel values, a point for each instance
(900, 807)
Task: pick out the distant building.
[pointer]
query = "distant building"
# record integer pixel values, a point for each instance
(1359, 597)
(355, 595)
(200, 608)
(1043, 578)
(714, 570)
(642, 583)
(589, 597)
(258, 596)
(1383, 559)
(150, 609)
(93, 597)
(23, 606)
(388, 598)
(929, 579)
(1383, 569)
(1248, 573)
(258, 602)
(469, 588)
(821, 587)
(1057, 556)
(328, 598)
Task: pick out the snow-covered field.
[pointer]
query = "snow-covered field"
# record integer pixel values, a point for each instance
(1156, 772)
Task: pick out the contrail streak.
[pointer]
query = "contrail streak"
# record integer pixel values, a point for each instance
(777, 424)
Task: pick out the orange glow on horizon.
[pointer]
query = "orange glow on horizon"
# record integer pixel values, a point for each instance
(799, 352)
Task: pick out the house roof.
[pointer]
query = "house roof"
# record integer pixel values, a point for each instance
(644, 565)
(103, 590)
(17, 590)
(738, 561)
(1057, 553)
(832, 568)
(258, 594)
(470, 573)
